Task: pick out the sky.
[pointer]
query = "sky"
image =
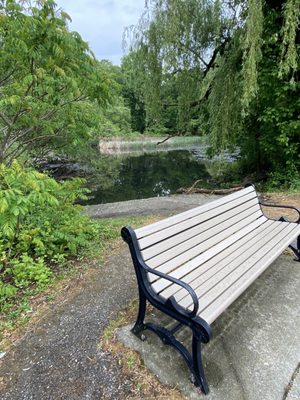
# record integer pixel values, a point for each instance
(101, 23)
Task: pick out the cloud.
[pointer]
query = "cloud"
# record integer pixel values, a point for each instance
(101, 23)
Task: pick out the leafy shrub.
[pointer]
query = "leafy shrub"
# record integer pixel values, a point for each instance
(288, 180)
(40, 224)
(6, 291)
(26, 270)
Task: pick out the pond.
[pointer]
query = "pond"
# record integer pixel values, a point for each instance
(137, 176)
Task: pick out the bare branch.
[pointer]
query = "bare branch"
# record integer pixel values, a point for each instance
(217, 50)
(3, 80)
(79, 98)
(191, 104)
(5, 120)
(42, 137)
(29, 87)
(169, 137)
(196, 54)
(29, 144)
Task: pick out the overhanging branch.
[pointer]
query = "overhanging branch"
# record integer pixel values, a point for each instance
(5, 120)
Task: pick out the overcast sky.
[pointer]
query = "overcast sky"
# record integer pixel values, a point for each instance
(101, 23)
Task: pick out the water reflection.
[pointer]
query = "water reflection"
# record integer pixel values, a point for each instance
(122, 178)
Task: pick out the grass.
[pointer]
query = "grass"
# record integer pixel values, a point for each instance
(31, 304)
(109, 230)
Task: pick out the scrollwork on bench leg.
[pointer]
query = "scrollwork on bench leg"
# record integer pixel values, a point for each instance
(193, 359)
(139, 326)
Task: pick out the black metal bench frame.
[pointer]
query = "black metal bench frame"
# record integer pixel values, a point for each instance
(201, 330)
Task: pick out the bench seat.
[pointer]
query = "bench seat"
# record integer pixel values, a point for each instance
(219, 249)
(200, 261)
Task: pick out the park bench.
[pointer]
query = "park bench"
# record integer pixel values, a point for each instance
(194, 265)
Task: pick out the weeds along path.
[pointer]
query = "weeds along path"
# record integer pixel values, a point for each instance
(59, 357)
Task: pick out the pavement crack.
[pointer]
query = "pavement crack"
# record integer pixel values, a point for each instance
(233, 368)
(291, 382)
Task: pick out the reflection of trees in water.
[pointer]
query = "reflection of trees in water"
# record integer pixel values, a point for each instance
(156, 174)
(106, 170)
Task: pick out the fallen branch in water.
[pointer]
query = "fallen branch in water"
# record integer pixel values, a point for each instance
(193, 189)
(170, 137)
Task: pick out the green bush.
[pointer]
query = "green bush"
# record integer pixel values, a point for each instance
(285, 180)
(6, 292)
(40, 225)
(26, 270)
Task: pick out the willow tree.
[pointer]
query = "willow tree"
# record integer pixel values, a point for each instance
(236, 63)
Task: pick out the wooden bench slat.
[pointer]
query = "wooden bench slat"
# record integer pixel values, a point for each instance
(157, 226)
(218, 261)
(193, 235)
(207, 290)
(193, 245)
(188, 262)
(253, 268)
(161, 284)
(242, 263)
(191, 222)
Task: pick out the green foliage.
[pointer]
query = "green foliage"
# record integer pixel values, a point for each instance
(289, 53)
(223, 111)
(115, 120)
(40, 225)
(285, 180)
(15, 301)
(272, 140)
(228, 69)
(7, 291)
(132, 91)
(26, 270)
(251, 46)
(172, 45)
(52, 87)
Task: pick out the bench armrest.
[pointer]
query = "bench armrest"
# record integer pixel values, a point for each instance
(282, 206)
(171, 300)
(129, 237)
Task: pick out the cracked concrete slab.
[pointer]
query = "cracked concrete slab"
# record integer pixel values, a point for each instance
(255, 348)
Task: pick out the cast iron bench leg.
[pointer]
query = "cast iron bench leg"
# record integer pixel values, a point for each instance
(296, 249)
(193, 361)
(198, 365)
(139, 326)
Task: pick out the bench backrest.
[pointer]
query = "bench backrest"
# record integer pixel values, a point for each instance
(169, 243)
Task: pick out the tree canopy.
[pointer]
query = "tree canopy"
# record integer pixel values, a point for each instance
(229, 69)
(51, 85)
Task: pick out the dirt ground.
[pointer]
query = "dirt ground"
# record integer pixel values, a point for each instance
(282, 199)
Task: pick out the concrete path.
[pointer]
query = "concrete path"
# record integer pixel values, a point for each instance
(155, 205)
(59, 357)
(293, 391)
(254, 353)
